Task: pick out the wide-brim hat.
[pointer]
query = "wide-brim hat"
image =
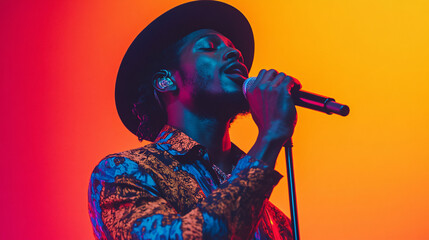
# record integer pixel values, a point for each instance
(136, 68)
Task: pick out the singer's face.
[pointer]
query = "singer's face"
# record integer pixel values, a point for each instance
(212, 72)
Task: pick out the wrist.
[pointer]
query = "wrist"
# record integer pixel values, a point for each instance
(267, 148)
(276, 133)
(271, 140)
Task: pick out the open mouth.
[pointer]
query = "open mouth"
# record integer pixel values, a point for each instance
(237, 72)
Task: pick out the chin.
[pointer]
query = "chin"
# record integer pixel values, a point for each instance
(222, 106)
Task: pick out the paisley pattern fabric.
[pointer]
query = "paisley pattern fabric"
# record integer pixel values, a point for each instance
(170, 190)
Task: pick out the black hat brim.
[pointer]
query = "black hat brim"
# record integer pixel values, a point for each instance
(166, 30)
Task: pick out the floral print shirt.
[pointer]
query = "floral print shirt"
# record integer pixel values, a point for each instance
(170, 190)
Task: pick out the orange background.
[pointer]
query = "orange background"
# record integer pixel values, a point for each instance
(364, 176)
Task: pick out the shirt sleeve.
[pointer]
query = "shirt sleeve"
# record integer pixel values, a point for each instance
(125, 203)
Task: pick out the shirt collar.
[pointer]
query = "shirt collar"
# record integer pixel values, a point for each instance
(177, 143)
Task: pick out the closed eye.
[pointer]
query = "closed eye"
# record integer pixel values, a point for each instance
(208, 46)
(209, 49)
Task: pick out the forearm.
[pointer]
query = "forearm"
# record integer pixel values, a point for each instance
(267, 148)
(239, 203)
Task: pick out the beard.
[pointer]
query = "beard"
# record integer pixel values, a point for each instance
(224, 106)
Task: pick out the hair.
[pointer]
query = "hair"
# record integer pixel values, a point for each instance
(147, 109)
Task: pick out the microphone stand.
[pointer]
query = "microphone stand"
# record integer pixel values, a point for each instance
(291, 188)
(336, 108)
(315, 102)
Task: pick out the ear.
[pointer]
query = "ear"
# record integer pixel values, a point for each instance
(163, 81)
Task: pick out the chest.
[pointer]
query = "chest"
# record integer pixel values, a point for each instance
(183, 185)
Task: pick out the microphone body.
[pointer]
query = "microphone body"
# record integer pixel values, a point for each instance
(310, 100)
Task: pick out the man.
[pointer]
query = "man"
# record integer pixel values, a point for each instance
(179, 85)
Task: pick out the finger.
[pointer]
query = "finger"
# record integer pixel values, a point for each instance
(297, 84)
(260, 75)
(258, 79)
(269, 76)
(291, 83)
(278, 79)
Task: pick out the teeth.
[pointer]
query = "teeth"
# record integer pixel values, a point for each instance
(235, 70)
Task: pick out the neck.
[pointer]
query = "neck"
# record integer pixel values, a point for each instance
(210, 132)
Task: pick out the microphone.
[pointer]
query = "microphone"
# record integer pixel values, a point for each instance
(310, 100)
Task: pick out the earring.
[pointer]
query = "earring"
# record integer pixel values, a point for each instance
(162, 79)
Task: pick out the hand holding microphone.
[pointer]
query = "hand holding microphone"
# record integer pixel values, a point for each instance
(273, 92)
(309, 100)
(272, 108)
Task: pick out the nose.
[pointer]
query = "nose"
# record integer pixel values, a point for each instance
(233, 53)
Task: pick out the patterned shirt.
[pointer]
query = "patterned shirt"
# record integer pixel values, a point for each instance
(169, 189)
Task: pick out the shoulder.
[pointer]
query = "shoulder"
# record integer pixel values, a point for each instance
(127, 163)
(132, 168)
(138, 154)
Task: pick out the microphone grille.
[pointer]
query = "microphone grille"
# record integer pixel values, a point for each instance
(247, 84)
